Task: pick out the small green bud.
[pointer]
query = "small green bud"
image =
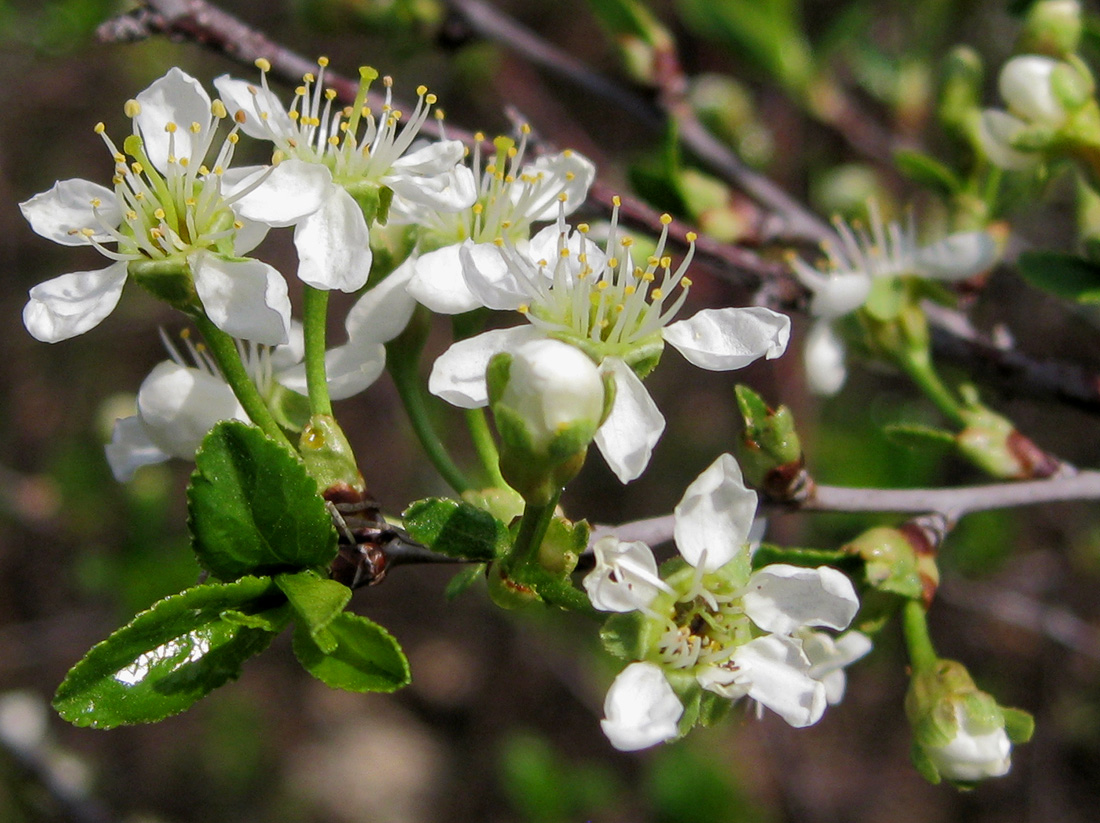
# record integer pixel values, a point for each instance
(992, 443)
(1052, 27)
(328, 455)
(959, 732)
(769, 450)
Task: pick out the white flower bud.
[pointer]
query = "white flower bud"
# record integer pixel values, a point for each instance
(1025, 86)
(974, 753)
(823, 358)
(551, 387)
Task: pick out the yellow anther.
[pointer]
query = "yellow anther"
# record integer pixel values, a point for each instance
(626, 242)
(87, 232)
(656, 294)
(170, 127)
(137, 168)
(685, 282)
(666, 261)
(582, 258)
(691, 237)
(195, 128)
(567, 153)
(523, 309)
(498, 241)
(612, 262)
(506, 224)
(582, 228)
(387, 81)
(96, 202)
(525, 128)
(330, 94)
(477, 208)
(512, 151)
(430, 99)
(629, 290)
(300, 91)
(159, 214)
(542, 264)
(602, 285)
(421, 91)
(217, 108)
(334, 140)
(570, 176)
(132, 108)
(509, 178)
(238, 225)
(563, 197)
(666, 219)
(131, 214)
(616, 201)
(233, 139)
(308, 77)
(439, 116)
(203, 169)
(563, 253)
(119, 157)
(263, 64)
(322, 61)
(100, 128)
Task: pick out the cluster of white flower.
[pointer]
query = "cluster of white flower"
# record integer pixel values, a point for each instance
(709, 624)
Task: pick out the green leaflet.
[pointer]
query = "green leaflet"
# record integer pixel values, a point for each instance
(457, 529)
(169, 656)
(253, 508)
(365, 657)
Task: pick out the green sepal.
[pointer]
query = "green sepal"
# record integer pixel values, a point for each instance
(1065, 275)
(890, 562)
(627, 635)
(365, 657)
(169, 656)
(373, 200)
(563, 545)
(769, 441)
(289, 408)
(316, 601)
(169, 280)
(463, 580)
(457, 529)
(327, 454)
(1019, 725)
(927, 171)
(253, 509)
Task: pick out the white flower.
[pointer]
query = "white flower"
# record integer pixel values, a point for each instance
(619, 314)
(640, 709)
(331, 164)
(182, 398)
(885, 250)
(625, 576)
(510, 197)
(974, 753)
(166, 208)
(739, 634)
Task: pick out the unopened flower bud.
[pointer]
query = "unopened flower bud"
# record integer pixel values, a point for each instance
(770, 451)
(1052, 27)
(993, 444)
(548, 399)
(959, 732)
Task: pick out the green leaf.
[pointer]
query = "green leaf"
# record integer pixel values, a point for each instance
(253, 508)
(927, 171)
(366, 658)
(168, 657)
(1065, 275)
(913, 436)
(316, 601)
(457, 529)
(463, 580)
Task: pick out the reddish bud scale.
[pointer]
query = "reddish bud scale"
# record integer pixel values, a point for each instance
(1035, 464)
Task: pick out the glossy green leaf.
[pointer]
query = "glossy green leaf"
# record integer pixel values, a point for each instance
(366, 658)
(168, 657)
(253, 508)
(1065, 275)
(457, 529)
(316, 601)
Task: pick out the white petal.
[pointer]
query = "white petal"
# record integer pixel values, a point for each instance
(240, 95)
(823, 359)
(130, 449)
(782, 598)
(433, 177)
(73, 303)
(641, 709)
(248, 236)
(61, 213)
(958, 256)
(1025, 85)
(334, 245)
(996, 131)
(350, 369)
(179, 405)
(730, 338)
(438, 282)
(567, 173)
(245, 298)
(776, 672)
(625, 577)
(973, 753)
(383, 312)
(289, 192)
(458, 375)
(828, 657)
(628, 436)
(178, 98)
(489, 277)
(715, 515)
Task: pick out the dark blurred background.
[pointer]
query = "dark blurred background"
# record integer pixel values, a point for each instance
(500, 724)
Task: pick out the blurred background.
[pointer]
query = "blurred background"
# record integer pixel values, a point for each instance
(500, 724)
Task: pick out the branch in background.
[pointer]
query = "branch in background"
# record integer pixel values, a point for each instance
(952, 504)
(198, 21)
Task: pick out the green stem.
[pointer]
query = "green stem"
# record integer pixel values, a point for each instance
(920, 369)
(402, 361)
(224, 349)
(532, 529)
(315, 317)
(922, 654)
(485, 446)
